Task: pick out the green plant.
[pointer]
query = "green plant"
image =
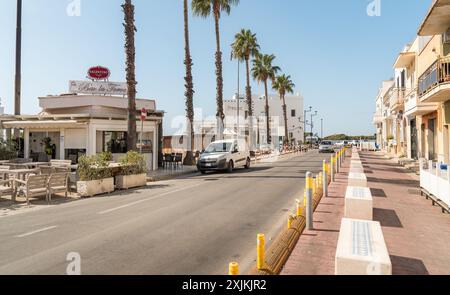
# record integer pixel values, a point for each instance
(390, 137)
(105, 157)
(133, 163)
(47, 142)
(94, 167)
(8, 150)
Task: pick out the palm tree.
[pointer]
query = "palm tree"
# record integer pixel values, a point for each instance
(263, 70)
(189, 93)
(283, 84)
(130, 50)
(205, 8)
(246, 46)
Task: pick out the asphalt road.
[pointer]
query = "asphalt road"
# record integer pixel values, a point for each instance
(192, 225)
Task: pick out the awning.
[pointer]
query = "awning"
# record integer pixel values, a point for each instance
(437, 20)
(404, 60)
(41, 124)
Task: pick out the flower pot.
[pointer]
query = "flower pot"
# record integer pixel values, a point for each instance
(131, 181)
(95, 187)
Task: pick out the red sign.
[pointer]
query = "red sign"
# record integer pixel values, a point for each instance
(98, 73)
(143, 114)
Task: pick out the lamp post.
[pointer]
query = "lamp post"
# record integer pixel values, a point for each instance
(321, 128)
(312, 125)
(304, 123)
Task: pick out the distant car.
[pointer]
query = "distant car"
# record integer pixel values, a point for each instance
(326, 147)
(224, 155)
(265, 149)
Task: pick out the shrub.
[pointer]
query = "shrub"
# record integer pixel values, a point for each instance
(8, 150)
(94, 167)
(105, 157)
(133, 163)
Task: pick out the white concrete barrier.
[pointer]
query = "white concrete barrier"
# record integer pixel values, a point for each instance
(358, 203)
(357, 179)
(356, 166)
(361, 249)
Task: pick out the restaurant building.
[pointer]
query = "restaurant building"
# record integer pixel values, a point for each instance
(90, 120)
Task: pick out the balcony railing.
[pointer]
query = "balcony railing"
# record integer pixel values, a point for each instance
(397, 97)
(438, 73)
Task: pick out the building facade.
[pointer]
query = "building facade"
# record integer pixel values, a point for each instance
(78, 124)
(413, 118)
(236, 112)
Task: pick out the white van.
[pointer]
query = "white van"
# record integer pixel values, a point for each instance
(224, 155)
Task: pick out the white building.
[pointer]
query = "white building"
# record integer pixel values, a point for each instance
(295, 114)
(78, 124)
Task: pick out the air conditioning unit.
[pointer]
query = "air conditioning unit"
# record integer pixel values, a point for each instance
(446, 37)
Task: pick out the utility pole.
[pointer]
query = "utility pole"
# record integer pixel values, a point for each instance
(312, 125)
(304, 123)
(321, 128)
(17, 84)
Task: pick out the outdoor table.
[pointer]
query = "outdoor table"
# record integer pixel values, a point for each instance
(18, 174)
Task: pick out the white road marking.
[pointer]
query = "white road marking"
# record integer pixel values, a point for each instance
(148, 199)
(36, 231)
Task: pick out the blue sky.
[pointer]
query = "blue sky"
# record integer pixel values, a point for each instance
(336, 54)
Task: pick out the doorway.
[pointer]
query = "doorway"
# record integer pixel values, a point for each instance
(414, 142)
(431, 139)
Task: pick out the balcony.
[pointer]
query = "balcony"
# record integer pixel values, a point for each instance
(434, 84)
(378, 118)
(397, 99)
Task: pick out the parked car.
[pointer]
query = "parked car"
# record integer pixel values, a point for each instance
(326, 147)
(224, 155)
(265, 149)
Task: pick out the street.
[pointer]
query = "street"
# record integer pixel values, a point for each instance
(191, 225)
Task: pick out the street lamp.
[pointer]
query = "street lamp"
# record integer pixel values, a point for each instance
(304, 123)
(321, 128)
(312, 124)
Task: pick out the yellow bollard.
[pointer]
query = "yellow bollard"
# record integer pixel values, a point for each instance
(314, 187)
(299, 209)
(260, 251)
(290, 220)
(233, 269)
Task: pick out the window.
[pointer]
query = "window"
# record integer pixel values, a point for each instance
(292, 113)
(115, 142)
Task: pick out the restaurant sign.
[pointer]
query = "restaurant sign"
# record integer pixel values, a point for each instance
(98, 73)
(98, 88)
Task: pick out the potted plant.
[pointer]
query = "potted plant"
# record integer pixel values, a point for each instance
(95, 176)
(47, 143)
(133, 172)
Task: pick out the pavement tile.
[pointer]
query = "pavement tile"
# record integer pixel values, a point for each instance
(416, 233)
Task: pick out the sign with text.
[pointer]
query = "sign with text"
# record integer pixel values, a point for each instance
(98, 73)
(99, 88)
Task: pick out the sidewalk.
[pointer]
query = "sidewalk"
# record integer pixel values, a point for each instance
(416, 233)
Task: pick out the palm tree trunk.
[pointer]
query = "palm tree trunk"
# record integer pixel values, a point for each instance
(219, 97)
(130, 50)
(189, 159)
(269, 139)
(18, 79)
(286, 132)
(248, 92)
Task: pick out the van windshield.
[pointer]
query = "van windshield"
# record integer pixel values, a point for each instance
(218, 147)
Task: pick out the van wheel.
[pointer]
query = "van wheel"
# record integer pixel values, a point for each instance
(230, 167)
(248, 164)
(203, 172)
